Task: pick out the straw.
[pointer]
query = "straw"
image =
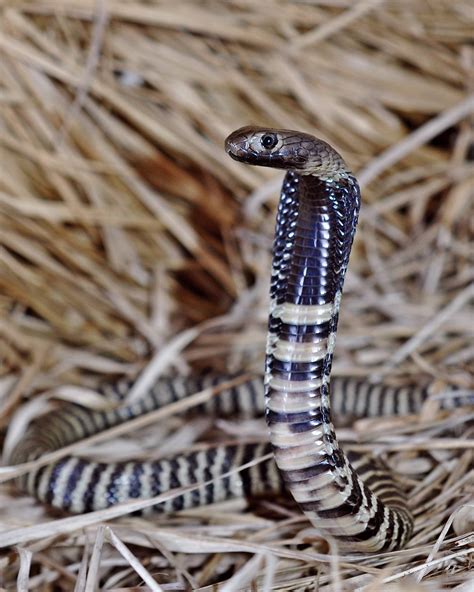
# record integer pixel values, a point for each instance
(132, 246)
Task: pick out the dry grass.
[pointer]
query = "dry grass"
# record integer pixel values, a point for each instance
(124, 224)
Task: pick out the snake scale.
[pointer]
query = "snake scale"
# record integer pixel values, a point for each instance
(352, 498)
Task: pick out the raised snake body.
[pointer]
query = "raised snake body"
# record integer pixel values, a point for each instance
(364, 509)
(315, 228)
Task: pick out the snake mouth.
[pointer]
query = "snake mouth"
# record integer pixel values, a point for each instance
(234, 153)
(242, 153)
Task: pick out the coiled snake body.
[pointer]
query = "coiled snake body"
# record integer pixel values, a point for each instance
(359, 503)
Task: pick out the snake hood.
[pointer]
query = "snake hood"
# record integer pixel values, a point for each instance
(286, 149)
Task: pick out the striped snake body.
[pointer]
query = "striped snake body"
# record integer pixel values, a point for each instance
(359, 504)
(315, 229)
(78, 485)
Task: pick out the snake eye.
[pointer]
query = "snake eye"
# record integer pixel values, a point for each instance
(269, 141)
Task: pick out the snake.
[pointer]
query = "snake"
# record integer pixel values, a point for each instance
(351, 498)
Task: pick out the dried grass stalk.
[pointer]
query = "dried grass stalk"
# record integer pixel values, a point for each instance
(123, 224)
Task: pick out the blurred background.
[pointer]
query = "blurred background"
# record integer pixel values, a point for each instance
(123, 223)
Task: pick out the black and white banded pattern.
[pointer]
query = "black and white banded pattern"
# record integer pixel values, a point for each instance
(351, 497)
(78, 485)
(314, 233)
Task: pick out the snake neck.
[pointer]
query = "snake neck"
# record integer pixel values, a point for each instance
(316, 224)
(315, 228)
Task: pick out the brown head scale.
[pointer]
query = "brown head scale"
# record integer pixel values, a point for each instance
(286, 149)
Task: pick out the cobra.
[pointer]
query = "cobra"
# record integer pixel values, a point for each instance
(351, 498)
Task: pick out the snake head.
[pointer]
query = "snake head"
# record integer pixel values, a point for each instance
(285, 149)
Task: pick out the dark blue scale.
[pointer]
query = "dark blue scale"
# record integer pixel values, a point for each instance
(299, 333)
(308, 283)
(155, 478)
(295, 370)
(311, 267)
(192, 468)
(209, 489)
(226, 467)
(56, 471)
(301, 475)
(314, 416)
(177, 502)
(322, 239)
(247, 456)
(286, 216)
(307, 297)
(135, 486)
(88, 497)
(174, 468)
(306, 425)
(314, 241)
(72, 482)
(294, 376)
(300, 291)
(112, 489)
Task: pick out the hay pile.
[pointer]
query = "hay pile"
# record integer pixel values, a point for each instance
(124, 224)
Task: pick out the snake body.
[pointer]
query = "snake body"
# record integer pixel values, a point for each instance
(78, 485)
(315, 228)
(358, 504)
